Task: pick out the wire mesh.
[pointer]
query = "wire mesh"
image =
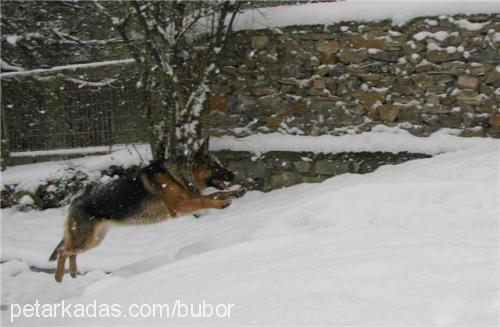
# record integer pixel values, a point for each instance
(75, 117)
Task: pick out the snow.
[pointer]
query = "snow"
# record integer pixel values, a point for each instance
(82, 83)
(451, 49)
(412, 244)
(26, 200)
(381, 138)
(67, 151)
(440, 36)
(431, 22)
(464, 23)
(12, 39)
(29, 176)
(6, 66)
(359, 10)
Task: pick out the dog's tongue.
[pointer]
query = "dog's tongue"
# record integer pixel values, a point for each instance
(220, 184)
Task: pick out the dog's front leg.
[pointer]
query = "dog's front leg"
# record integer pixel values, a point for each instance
(184, 206)
(228, 194)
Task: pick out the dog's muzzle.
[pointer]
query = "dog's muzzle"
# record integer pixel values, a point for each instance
(219, 181)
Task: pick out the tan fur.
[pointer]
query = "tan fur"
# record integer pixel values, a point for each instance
(170, 199)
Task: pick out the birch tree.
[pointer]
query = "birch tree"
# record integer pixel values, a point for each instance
(177, 46)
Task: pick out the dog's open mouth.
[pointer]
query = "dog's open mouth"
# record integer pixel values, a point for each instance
(218, 184)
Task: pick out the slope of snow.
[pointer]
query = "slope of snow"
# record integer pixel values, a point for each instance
(413, 244)
(358, 10)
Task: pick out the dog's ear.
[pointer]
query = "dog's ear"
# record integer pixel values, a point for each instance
(203, 151)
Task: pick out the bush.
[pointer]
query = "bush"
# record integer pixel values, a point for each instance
(58, 192)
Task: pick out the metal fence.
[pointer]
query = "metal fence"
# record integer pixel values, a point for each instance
(75, 117)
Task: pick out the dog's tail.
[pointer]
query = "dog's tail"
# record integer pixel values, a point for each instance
(53, 256)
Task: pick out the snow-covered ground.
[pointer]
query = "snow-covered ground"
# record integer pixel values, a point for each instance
(413, 244)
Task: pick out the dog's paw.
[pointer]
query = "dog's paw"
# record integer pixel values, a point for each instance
(219, 196)
(223, 203)
(239, 193)
(58, 277)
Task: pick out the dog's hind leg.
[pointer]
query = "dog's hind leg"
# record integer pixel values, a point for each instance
(72, 266)
(76, 231)
(61, 262)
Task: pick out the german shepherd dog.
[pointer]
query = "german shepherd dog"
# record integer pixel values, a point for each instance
(163, 189)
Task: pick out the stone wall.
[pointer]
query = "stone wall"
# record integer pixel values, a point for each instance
(279, 169)
(432, 73)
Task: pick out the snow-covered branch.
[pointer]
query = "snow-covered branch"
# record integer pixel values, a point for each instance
(6, 66)
(65, 67)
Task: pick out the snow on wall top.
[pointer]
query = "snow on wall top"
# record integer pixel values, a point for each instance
(381, 138)
(357, 10)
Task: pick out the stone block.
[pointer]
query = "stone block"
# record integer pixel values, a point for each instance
(274, 121)
(495, 120)
(299, 108)
(438, 56)
(370, 77)
(466, 82)
(328, 47)
(327, 59)
(260, 42)
(369, 98)
(408, 114)
(353, 56)
(256, 169)
(330, 168)
(386, 56)
(302, 166)
(284, 179)
(318, 84)
(388, 112)
(473, 132)
(217, 103)
(360, 43)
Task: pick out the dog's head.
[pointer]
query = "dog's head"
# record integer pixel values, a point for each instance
(208, 170)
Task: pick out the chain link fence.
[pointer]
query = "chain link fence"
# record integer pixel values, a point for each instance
(62, 114)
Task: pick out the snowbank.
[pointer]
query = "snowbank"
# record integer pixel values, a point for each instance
(357, 10)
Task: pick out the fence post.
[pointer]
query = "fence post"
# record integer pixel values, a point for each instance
(4, 144)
